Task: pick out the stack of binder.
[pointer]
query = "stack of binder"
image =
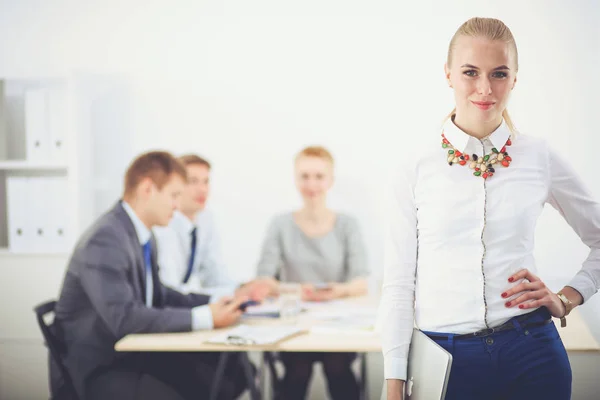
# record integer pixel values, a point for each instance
(38, 204)
(45, 126)
(38, 218)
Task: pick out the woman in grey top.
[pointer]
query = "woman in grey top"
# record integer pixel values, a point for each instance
(316, 245)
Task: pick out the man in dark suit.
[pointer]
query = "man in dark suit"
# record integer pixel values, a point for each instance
(112, 288)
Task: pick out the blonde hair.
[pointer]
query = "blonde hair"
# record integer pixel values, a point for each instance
(492, 29)
(315, 151)
(194, 159)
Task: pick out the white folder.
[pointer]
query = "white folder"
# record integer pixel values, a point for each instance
(59, 214)
(428, 369)
(4, 152)
(38, 219)
(48, 214)
(36, 125)
(19, 234)
(58, 125)
(45, 213)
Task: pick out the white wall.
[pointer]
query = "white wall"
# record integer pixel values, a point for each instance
(247, 84)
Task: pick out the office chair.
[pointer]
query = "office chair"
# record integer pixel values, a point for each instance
(57, 350)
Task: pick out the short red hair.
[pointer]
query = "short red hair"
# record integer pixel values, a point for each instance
(193, 159)
(315, 151)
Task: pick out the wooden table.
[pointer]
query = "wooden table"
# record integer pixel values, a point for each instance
(576, 337)
(305, 342)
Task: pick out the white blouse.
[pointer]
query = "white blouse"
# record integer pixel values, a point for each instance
(454, 238)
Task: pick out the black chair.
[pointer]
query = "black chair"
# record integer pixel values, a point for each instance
(57, 351)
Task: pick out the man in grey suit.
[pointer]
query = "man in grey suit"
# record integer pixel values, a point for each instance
(112, 288)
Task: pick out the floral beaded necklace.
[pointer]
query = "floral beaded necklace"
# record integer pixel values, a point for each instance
(484, 166)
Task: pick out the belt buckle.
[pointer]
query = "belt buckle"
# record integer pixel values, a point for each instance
(484, 332)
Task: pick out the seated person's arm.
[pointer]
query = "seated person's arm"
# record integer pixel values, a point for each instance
(335, 290)
(356, 287)
(173, 298)
(104, 277)
(356, 262)
(270, 259)
(258, 289)
(221, 313)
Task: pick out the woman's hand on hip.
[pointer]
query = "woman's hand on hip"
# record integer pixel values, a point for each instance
(533, 293)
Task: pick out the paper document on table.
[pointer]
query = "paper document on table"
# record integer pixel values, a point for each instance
(247, 335)
(317, 305)
(332, 313)
(346, 324)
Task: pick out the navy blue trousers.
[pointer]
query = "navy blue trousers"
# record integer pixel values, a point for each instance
(524, 363)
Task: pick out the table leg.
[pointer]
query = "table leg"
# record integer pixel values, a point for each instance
(363, 381)
(261, 384)
(254, 392)
(216, 385)
(275, 381)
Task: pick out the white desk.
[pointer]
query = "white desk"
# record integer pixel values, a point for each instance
(307, 341)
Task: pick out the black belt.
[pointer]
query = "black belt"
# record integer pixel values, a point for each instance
(508, 325)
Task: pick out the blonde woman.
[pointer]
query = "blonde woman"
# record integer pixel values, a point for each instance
(310, 246)
(467, 206)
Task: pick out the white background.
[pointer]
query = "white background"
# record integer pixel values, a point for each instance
(249, 83)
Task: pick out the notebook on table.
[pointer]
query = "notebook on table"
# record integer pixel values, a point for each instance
(268, 310)
(428, 369)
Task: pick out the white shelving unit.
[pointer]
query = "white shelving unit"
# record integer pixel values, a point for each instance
(97, 133)
(66, 130)
(31, 166)
(35, 132)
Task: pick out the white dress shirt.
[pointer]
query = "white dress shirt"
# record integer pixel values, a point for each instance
(143, 234)
(454, 239)
(201, 315)
(209, 274)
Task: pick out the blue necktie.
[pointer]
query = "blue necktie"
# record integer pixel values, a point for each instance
(149, 281)
(190, 267)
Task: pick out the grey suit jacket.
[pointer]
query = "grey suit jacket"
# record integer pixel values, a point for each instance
(103, 297)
